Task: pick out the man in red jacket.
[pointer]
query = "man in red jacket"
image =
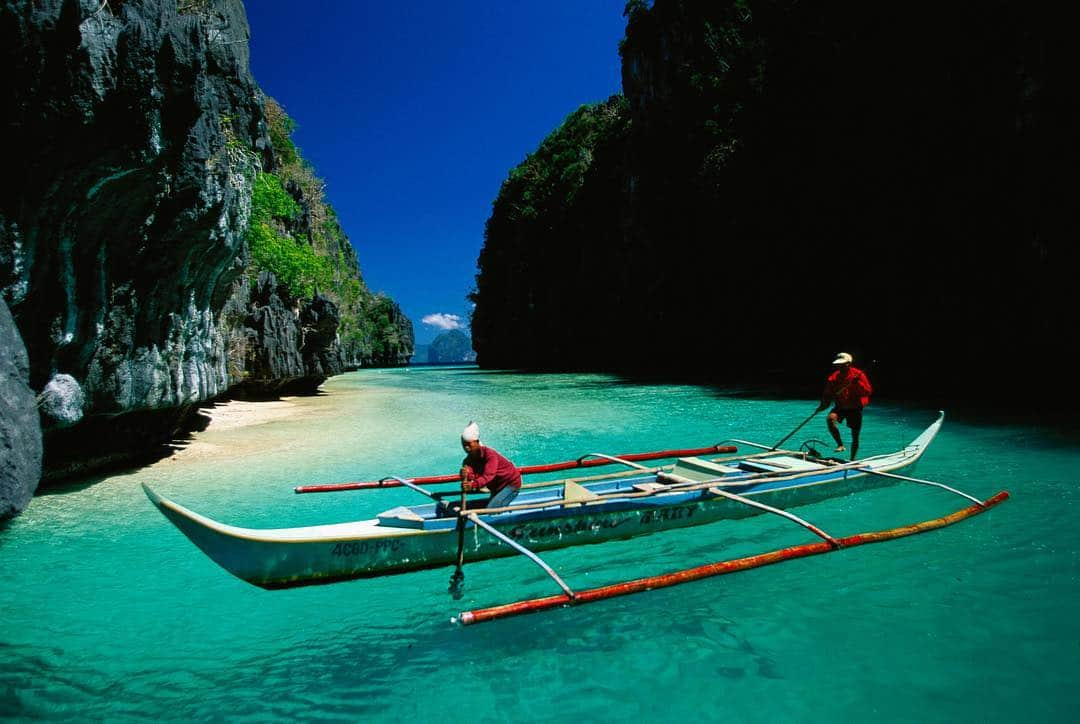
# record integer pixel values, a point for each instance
(484, 467)
(849, 388)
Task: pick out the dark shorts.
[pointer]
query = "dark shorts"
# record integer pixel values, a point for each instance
(853, 418)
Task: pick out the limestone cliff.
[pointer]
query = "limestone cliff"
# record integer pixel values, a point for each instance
(137, 129)
(847, 176)
(20, 432)
(451, 347)
(138, 135)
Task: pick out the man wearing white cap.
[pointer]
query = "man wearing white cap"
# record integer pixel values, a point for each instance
(849, 388)
(483, 467)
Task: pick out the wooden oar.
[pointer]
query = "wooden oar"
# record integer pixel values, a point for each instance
(458, 578)
(801, 424)
(585, 461)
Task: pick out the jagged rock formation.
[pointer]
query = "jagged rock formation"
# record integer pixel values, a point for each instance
(393, 346)
(288, 351)
(20, 430)
(451, 347)
(839, 176)
(138, 135)
(123, 218)
(372, 329)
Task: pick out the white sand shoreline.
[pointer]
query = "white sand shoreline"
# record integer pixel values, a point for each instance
(243, 413)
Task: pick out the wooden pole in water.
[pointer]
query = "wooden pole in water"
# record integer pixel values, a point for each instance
(468, 618)
(459, 573)
(801, 425)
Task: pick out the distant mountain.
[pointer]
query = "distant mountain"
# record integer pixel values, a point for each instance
(450, 347)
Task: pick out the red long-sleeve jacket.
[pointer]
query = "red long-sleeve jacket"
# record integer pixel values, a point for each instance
(849, 388)
(492, 470)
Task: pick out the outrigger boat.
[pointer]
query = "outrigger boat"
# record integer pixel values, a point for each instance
(691, 491)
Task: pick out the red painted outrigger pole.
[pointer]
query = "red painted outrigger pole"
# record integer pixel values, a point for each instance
(581, 462)
(468, 618)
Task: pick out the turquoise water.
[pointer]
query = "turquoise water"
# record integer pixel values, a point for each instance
(108, 613)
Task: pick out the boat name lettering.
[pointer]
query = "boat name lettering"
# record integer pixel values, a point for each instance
(657, 516)
(357, 548)
(553, 530)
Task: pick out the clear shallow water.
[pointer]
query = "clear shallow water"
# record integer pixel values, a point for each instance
(108, 613)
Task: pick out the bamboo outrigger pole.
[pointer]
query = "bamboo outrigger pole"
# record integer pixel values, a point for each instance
(468, 618)
(585, 461)
(525, 552)
(776, 511)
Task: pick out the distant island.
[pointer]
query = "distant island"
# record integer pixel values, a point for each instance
(450, 347)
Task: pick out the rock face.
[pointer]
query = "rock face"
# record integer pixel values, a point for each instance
(62, 401)
(868, 181)
(289, 351)
(136, 133)
(137, 130)
(451, 347)
(20, 431)
(121, 222)
(392, 347)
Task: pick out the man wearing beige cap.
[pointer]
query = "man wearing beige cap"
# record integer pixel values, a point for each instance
(849, 388)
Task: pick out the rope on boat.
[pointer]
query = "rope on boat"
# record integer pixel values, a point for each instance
(467, 618)
(524, 551)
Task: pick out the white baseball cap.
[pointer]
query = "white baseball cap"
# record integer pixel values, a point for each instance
(842, 359)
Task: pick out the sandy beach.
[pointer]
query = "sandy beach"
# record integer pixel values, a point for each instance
(244, 413)
(229, 432)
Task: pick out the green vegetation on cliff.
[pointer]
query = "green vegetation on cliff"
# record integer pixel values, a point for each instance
(295, 233)
(533, 251)
(295, 263)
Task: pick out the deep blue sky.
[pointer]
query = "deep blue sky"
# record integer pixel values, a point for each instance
(413, 112)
